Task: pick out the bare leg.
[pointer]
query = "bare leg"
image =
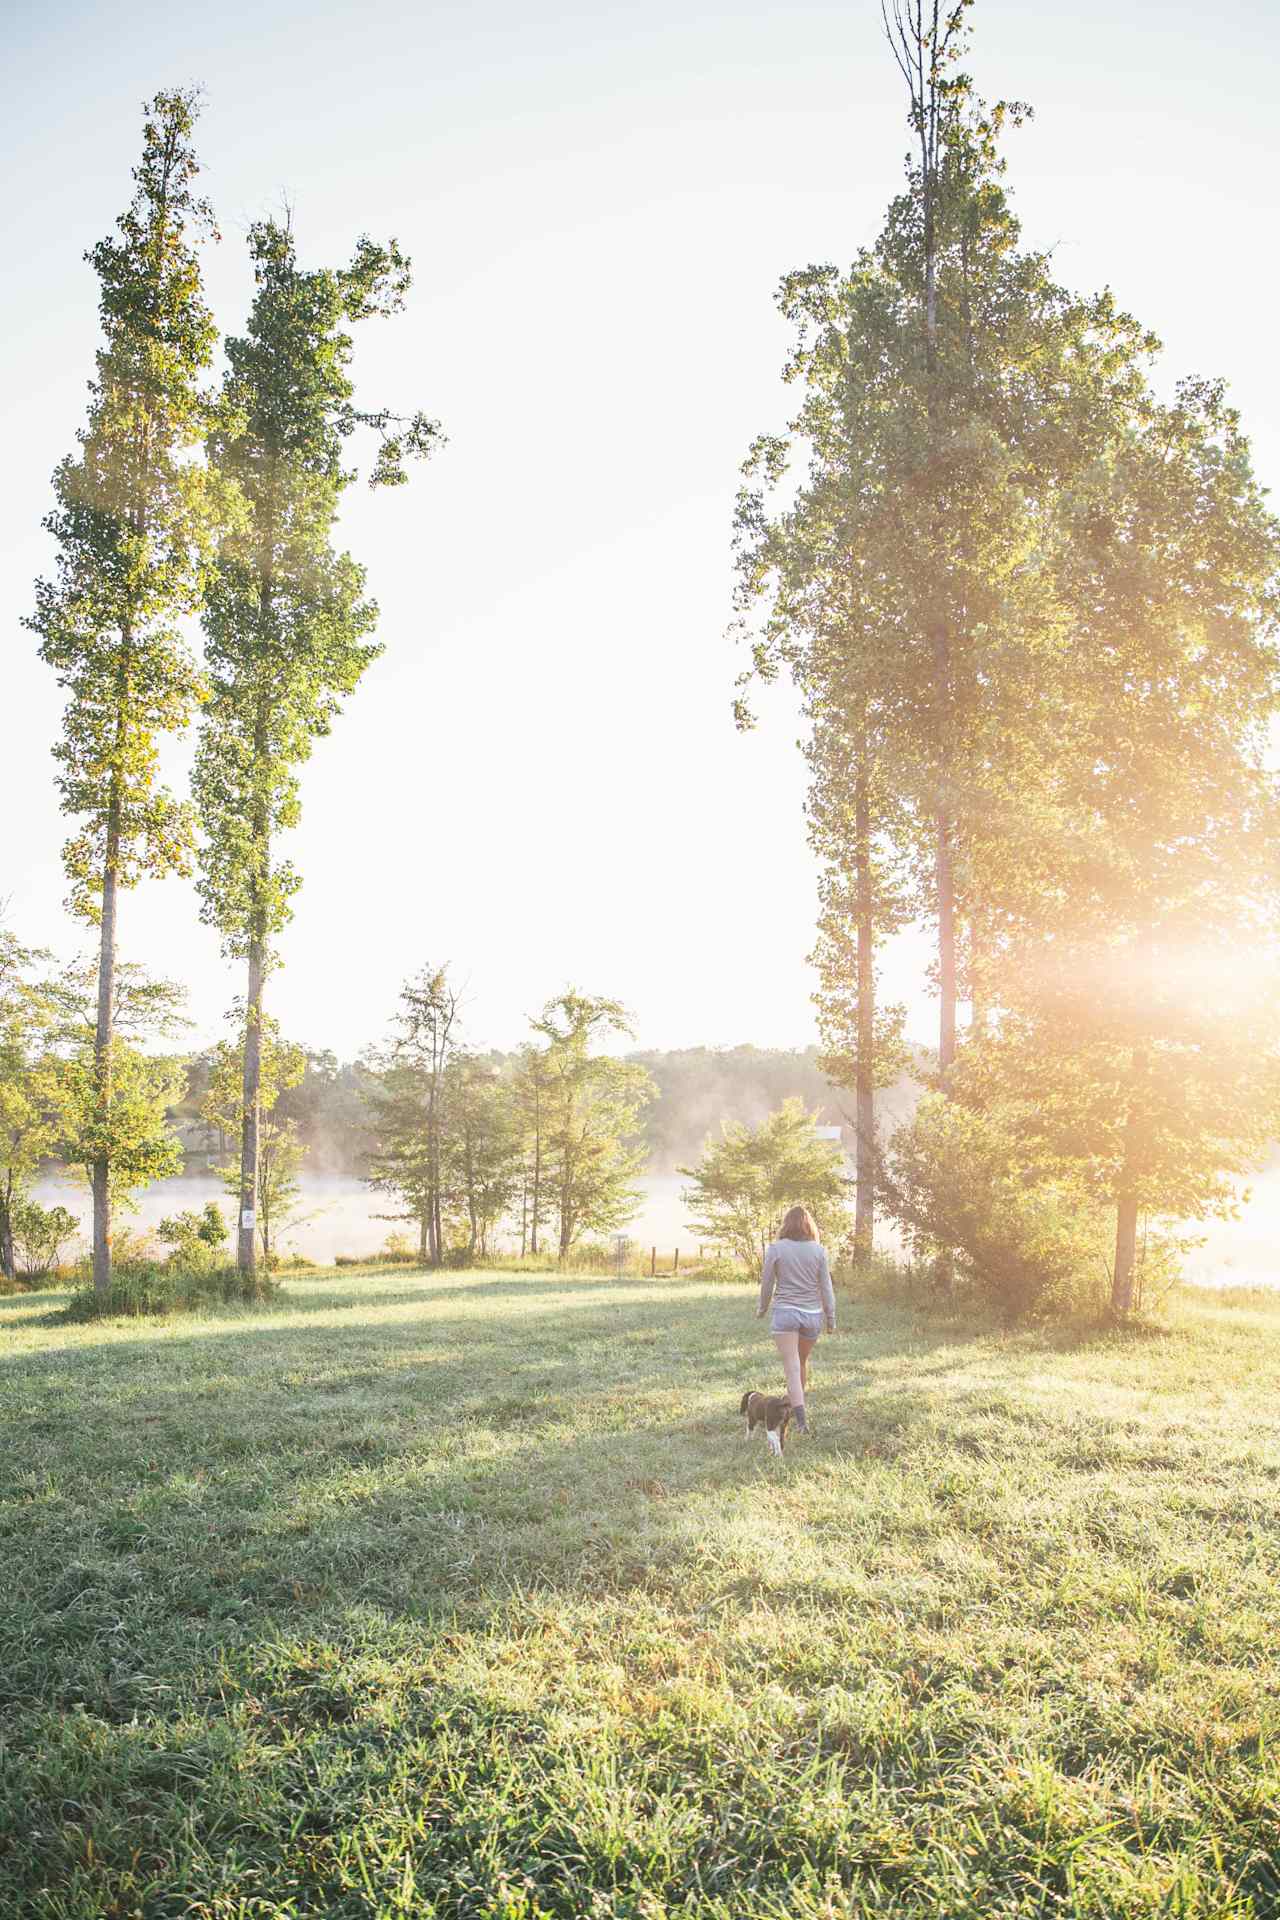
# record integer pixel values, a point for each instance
(788, 1347)
(805, 1348)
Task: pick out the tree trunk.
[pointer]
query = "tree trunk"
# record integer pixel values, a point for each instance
(537, 1172)
(247, 1228)
(864, 1071)
(1124, 1272)
(424, 1250)
(104, 1034)
(8, 1261)
(979, 1007)
(433, 1175)
(945, 880)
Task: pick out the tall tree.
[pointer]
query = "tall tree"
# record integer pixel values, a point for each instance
(950, 391)
(859, 902)
(1138, 988)
(133, 520)
(594, 1157)
(287, 618)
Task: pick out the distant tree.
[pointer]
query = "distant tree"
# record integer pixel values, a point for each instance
(746, 1181)
(28, 1100)
(483, 1147)
(594, 1109)
(400, 1157)
(132, 1136)
(530, 1087)
(287, 618)
(406, 1104)
(133, 520)
(281, 1065)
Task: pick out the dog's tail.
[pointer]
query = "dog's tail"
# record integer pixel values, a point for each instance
(746, 1396)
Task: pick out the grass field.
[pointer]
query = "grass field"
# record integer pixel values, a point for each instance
(465, 1596)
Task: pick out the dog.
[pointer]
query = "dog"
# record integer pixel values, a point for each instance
(772, 1411)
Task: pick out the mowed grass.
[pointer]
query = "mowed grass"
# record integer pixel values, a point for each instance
(466, 1597)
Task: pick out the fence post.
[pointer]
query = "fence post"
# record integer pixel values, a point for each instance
(675, 1264)
(653, 1262)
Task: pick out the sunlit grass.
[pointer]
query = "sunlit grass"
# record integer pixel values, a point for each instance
(465, 1596)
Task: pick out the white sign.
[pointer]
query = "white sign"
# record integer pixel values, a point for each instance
(248, 1220)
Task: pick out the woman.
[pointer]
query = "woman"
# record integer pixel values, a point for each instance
(797, 1279)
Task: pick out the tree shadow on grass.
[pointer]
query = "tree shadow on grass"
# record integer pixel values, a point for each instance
(246, 1551)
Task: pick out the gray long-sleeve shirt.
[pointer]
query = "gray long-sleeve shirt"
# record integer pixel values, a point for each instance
(796, 1274)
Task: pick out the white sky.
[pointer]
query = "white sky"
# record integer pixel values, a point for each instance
(540, 779)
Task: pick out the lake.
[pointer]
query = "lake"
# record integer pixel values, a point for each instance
(338, 1214)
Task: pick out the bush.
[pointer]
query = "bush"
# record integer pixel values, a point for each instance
(1024, 1243)
(883, 1278)
(39, 1235)
(590, 1256)
(144, 1287)
(722, 1269)
(199, 1240)
(399, 1250)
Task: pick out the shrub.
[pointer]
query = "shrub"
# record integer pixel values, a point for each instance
(39, 1235)
(198, 1240)
(590, 1256)
(144, 1287)
(1025, 1242)
(722, 1269)
(883, 1277)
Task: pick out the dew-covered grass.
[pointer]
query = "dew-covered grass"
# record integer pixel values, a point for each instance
(465, 1596)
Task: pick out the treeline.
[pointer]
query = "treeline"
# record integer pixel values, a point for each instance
(697, 1091)
(1030, 602)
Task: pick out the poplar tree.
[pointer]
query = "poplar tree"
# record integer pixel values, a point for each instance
(132, 521)
(287, 619)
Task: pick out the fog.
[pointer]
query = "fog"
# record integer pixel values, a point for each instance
(339, 1215)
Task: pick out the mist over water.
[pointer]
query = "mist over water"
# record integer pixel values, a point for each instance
(339, 1215)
